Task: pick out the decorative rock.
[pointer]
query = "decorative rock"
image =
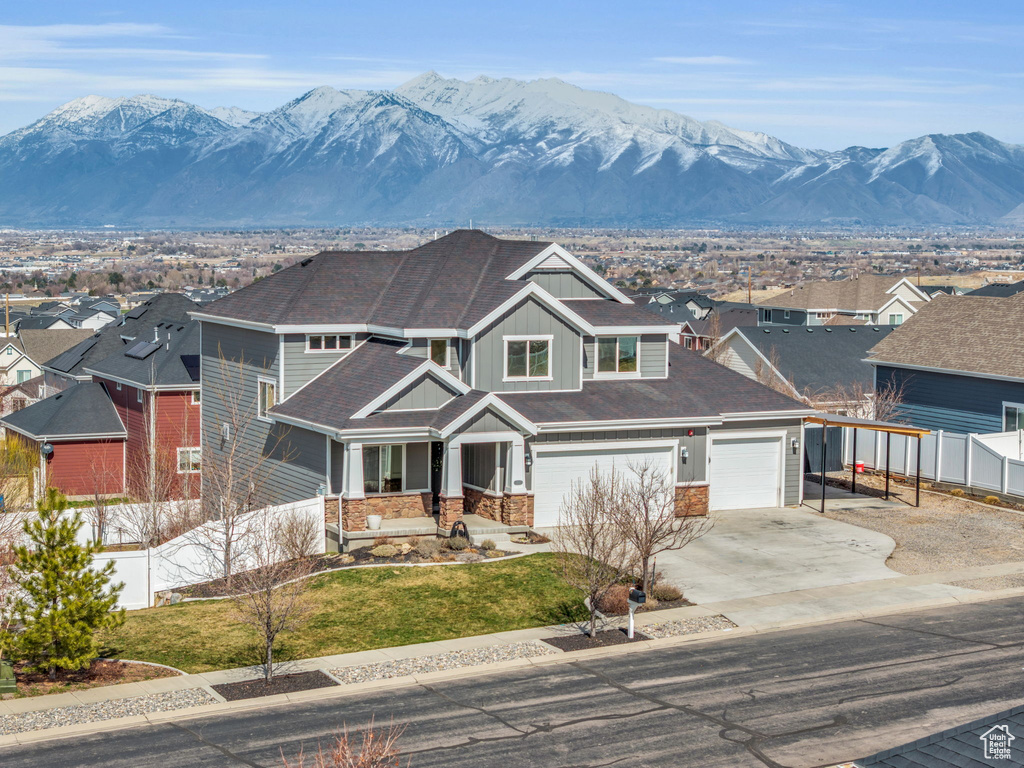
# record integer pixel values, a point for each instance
(686, 626)
(175, 598)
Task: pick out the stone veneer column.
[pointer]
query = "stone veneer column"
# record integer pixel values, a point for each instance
(353, 514)
(451, 512)
(332, 510)
(691, 500)
(517, 509)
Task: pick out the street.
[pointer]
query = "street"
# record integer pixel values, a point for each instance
(799, 698)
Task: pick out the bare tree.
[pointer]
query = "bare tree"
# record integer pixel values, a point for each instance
(238, 464)
(592, 553)
(377, 749)
(648, 518)
(770, 376)
(715, 350)
(270, 597)
(105, 475)
(887, 402)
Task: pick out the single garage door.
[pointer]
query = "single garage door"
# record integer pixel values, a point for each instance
(554, 472)
(745, 472)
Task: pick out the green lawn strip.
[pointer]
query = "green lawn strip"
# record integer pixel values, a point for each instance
(357, 610)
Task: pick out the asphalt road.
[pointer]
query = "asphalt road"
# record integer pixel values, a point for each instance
(809, 697)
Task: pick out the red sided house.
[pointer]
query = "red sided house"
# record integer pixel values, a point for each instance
(133, 429)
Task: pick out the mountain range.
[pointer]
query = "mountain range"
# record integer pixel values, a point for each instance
(439, 151)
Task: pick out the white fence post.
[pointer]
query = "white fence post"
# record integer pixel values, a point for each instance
(878, 450)
(938, 457)
(1006, 473)
(968, 462)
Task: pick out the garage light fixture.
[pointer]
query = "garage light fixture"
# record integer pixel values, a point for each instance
(684, 453)
(528, 460)
(796, 444)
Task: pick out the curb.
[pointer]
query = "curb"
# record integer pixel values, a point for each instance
(395, 683)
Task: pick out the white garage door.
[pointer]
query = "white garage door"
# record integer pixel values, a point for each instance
(745, 472)
(554, 472)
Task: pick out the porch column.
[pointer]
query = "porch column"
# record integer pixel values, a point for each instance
(353, 500)
(451, 486)
(517, 466)
(517, 506)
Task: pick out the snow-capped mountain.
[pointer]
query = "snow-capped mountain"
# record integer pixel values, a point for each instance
(505, 151)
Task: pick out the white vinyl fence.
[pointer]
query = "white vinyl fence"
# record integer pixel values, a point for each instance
(192, 557)
(989, 462)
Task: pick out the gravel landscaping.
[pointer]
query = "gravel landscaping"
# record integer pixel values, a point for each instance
(441, 661)
(687, 626)
(945, 533)
(104, 710)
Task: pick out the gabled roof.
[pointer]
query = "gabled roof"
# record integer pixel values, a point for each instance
(449, 283)
(864, 293)
(972, 334)
(612, 313)
(108, 340)
(41, 346)
(32, 388)
(998, 290)
(40, 322)
(696, 388)
(163, 359)
(818, 358)
(84, 410)
(725, 320)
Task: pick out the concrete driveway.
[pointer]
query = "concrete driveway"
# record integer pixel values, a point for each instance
(753, 552)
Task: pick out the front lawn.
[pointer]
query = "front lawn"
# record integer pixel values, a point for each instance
(358, 610)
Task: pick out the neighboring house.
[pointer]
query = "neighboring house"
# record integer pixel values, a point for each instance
(475, 375)
(110, 306)
(947, 290)
(959, 364)
(134, 427)
(998, 290)
(206, 295)
(21, 356)
(14, 397)
(68, 368)
(875, 299)
(92, 318)
(701, 335)
(41, 323)
(823, 366)
(674, 304)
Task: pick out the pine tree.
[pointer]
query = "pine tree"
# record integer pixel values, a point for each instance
(64, 600)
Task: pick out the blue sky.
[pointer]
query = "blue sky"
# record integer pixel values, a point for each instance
(825, 75)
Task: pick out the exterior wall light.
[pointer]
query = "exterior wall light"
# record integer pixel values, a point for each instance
(684, 453)
(795, 444)
(528, 460)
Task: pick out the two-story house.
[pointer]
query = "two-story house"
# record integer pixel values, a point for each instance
(869, 299)
(958, 365)
(475, 375)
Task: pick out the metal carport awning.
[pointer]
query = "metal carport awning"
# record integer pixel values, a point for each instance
(890, 428)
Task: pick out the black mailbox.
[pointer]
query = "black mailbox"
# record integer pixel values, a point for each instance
(637, 596)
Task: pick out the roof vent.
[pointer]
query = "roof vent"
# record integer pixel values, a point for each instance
(785, 330)
(306, 262)
(828, 330)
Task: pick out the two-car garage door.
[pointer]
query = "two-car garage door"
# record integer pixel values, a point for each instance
(554, 472)
(745, 472)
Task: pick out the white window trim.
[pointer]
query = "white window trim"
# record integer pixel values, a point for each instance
(194, 394)
(549, 338)
(1009, 404)
(338, 351)
(405, 456)
(447, 351)
(785, 314)
(138, 395)
(118, 383)
(598, 374)
(190, 471)
(896, 314)
(261, 380)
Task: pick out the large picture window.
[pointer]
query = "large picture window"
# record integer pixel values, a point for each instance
(267, 398)
(528, 358)
(617, 354)
(382, 468)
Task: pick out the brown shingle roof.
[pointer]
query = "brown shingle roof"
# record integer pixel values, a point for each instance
(867, 292)
(974, 334)
(42, 346)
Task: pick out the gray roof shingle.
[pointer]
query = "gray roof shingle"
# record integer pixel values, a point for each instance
(84, 409)
(167, 366)
(614, 313)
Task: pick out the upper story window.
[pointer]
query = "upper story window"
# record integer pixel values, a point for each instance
(439, 352)
(138, 395)
(382, 468)
(189, 460)
(895, 318)
(328, 343)
(267, 398)
(196, 397)
(617, 354)
(24, 376)
(528, 358)
(10, 350)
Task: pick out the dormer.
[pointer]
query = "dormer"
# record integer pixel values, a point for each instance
(565, 277)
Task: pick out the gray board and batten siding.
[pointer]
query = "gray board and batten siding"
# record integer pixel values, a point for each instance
(565, 285)
(300, 366)
(529, 318)
(946, 401)
(426, 393)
